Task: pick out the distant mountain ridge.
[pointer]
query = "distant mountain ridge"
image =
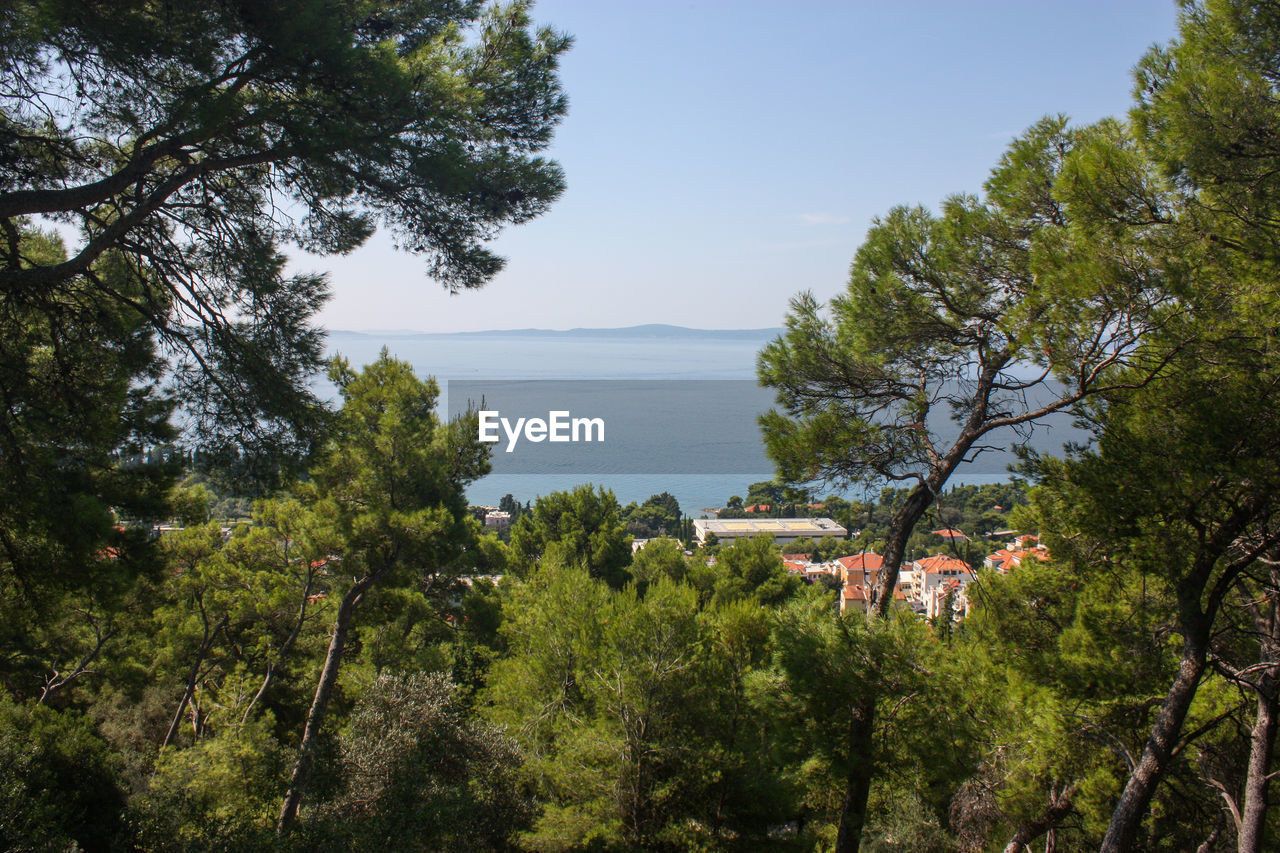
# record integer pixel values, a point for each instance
(650, 330)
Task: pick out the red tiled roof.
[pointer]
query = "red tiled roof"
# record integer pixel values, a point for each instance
(867, 561)
(856, 592)
(941, 563)
(999, 559)
(1041, 554)
(1004, 559)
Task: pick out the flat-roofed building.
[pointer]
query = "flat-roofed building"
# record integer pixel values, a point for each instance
(783, 530)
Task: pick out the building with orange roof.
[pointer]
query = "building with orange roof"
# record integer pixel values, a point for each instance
(856, 568)
(860, 597)
(921, 576)
(1001, 560)
(1006, 558)
(935, 600)
(854, 596)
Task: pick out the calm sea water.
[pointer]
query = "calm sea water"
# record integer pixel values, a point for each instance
(547, 356)
(571, 356)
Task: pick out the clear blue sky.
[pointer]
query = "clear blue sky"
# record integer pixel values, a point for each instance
(722, 157)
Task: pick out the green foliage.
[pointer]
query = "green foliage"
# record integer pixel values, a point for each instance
(539, 691)
(633, 713)
(237, 620)
(222, 791)
(508, 504)
(1205, 113)
(905, 822)
(748, 790)
(780, 499)
(419, 773)
(767, 492)
(661, 558)
(824, 670)
(191, 504)
(827, 548)
(659, 515)
(81, 403)
(185, 133)
(388, 488)
(1181, 495)
(579, 528)
(1078, 650)
(751, 568)
(59, 782)
(225, 501)
(803, 545)
(482, 611)
(976, 511)
(391, 476)
(940, 313)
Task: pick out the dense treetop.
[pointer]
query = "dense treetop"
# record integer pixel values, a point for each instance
(189, 142)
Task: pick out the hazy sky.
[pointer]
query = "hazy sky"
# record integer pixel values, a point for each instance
(722, 157)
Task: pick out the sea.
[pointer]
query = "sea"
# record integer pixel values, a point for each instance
(639, 353)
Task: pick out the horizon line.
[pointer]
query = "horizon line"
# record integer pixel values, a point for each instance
(640, 327)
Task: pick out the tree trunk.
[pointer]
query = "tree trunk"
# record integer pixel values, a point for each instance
(315, 716)
(1044, 824)
(187, 692)
(1138, 791)
(283, 650)
(1207, 845)
(922, 497)
(853, 809)
(1263, 737)
(206, 642)
(895, 545)
(1261, 742)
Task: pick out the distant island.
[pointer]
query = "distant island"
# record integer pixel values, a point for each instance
(651, 330)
